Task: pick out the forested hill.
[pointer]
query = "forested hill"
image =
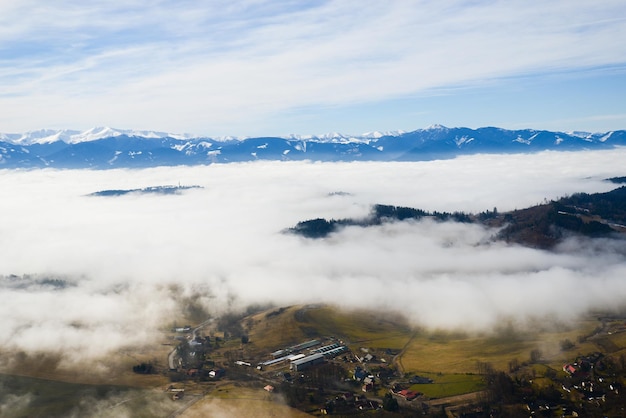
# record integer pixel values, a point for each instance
(147, 190)
(540, 226)
(593, 215)
(319, 228)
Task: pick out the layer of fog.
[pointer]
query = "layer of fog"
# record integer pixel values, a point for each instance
(18, 399)
(106, 272)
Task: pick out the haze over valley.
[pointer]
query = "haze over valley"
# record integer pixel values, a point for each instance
(87, 275)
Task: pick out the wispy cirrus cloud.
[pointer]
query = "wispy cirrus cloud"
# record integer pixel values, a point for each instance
(193, 66)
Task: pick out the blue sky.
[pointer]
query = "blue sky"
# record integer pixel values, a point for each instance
(255, 67)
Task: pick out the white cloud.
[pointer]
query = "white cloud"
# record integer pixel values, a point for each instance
(188, 67)
(132, 262)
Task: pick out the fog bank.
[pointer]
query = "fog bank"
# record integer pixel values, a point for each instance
(108, 271)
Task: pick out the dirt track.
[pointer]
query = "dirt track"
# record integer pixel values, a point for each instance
(457, 400)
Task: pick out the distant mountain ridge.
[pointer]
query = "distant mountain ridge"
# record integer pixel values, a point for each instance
(102, 148)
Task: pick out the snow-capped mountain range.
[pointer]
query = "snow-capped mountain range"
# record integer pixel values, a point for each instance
(47, 136)
(105, 147)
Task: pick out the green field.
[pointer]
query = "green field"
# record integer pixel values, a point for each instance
(449, 385)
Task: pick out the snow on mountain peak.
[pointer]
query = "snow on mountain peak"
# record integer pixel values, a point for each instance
(379, 134)
(31, 149)
(435, 127)
(47, 136)
(41, 136)
(337, 137)
(579, 134)
(93, 134)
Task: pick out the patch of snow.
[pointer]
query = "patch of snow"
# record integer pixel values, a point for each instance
(378, 134)
(462, 140)
(373, 135)
(580, 134)
(227, 138)
(180, 147)
(605, 137)
(338, 138)
(112, 160)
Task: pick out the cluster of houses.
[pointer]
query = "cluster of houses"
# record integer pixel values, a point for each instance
(367, 357)
(363, 376)
(584, 365)
(347, 402)
(585, 379)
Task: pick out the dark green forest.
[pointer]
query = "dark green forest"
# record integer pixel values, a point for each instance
(539, 226)
(320, 228)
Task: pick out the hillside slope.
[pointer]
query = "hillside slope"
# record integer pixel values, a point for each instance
(541, 226)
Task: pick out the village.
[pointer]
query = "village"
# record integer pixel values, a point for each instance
(342, 380)
(328, 375)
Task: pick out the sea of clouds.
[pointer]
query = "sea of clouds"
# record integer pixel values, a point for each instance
(95, 274)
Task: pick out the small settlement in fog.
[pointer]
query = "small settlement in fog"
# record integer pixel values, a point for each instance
(338, 374)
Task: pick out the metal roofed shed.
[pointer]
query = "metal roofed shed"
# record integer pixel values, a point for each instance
(331, 350)
(308, 361)
(275, 361)
(278, 353)
(296, 357)
(326, 348)
(335, 351)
